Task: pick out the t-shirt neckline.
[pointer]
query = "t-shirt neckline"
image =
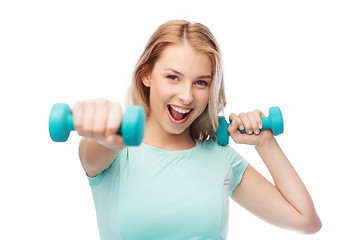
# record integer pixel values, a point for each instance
(152, 148)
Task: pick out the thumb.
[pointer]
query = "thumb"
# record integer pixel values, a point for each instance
(115, 142)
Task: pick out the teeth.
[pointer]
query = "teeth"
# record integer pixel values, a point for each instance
(180, 110)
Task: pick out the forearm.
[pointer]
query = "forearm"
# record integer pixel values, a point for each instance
(285, 178)
(95, 157)
(287, 204)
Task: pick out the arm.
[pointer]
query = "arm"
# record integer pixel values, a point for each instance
(98, 122)
(287, 204)
(95, 157)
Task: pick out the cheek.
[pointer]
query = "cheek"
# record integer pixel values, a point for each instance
(158, 92)
(203, 98)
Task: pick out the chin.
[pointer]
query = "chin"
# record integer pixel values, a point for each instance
(177, 130)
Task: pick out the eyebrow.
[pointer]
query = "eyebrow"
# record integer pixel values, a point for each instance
(182, 75)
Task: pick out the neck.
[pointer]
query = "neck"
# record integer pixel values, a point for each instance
(157, 137)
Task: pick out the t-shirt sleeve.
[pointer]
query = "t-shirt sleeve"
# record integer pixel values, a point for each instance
(238, 166)
(111, 172)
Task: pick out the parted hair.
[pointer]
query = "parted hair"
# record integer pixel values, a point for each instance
(201, 39)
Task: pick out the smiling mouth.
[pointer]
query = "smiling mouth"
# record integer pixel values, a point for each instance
(178, 113)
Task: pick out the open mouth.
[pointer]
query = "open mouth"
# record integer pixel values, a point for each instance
(178, 115)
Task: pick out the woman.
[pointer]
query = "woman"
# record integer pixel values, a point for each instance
(176, 184)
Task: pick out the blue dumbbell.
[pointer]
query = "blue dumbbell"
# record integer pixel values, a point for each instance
(132, 127)
(274, 122)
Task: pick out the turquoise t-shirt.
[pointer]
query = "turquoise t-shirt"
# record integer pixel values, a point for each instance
(150, 193)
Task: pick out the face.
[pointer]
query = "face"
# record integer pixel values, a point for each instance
(179, 88)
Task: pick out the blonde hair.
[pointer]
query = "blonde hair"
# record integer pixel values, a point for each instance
(201, 39)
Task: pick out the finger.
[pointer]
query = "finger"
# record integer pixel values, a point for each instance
(100, 119)
(246, 122)
(232, 117)
(240, 123)
(237, 121)
(88, 119)
(262, 114)
(257, 116)
(78, 115)
(254, 124)
(114, 119)
(232, 128)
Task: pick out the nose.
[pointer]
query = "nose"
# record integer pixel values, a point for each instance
(186, 95)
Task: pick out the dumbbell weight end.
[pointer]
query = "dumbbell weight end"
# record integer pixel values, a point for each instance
(60, 122)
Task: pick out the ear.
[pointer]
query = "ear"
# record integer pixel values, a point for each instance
(146, 80)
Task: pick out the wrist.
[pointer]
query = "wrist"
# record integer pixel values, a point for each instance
(268, 141)
(112, 144)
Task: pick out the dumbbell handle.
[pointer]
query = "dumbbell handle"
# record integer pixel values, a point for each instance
(69, 122)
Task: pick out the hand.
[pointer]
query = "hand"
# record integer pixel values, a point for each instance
(99, 120)
(252, 124)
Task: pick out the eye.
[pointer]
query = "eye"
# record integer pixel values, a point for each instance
(202, 83)
(172, 77)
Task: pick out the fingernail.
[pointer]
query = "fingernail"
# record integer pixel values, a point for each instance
(257, 132)
(241, 127)
(250, 132)
(260, 126)
(233, 122)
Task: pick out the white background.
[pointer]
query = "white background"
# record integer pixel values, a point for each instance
(303, 56)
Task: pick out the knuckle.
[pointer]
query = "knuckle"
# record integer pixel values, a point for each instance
(102, 102)
(232, 116)
(111, 129)
(78, 126)
(87, 129)
(249, 114)
(116, 105)
(88, 105)
(78, 104)
(258, 112)
(242, 115)
(98, 131)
